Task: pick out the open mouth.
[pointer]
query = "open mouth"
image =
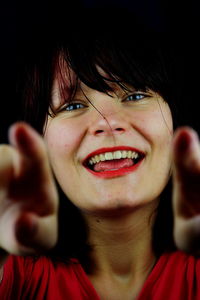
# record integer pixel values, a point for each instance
(121, 160)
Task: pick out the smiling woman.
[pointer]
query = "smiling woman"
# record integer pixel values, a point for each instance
(105, 107)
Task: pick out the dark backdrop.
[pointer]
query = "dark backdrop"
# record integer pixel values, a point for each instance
(24, 26)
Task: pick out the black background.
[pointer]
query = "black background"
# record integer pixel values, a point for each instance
(23, 21)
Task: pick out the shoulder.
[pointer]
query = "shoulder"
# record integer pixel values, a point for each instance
(176, 275)
(178, 265)
(38, 264)
(39, 276)
(179, 259)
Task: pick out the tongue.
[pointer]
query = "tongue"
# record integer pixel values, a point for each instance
(109, 165)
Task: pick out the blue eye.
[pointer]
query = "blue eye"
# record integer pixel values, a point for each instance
(135, 97)
(74, 106)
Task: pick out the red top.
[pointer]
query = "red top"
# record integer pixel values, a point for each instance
(176, 276)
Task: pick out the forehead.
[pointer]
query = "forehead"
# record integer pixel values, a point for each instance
(66, 84)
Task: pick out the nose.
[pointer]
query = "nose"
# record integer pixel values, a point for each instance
(108, 123)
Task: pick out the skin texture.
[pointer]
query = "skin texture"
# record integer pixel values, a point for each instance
(145, 124)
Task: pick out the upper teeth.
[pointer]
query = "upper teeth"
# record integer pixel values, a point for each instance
(113, 155)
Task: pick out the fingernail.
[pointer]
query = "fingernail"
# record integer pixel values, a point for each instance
(17, 135)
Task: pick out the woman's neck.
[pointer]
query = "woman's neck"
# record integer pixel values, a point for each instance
(122, 245)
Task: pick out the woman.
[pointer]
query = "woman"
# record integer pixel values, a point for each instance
(105, 107)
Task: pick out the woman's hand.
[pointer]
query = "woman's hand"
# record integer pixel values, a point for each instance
(28, 196)
(186, 193)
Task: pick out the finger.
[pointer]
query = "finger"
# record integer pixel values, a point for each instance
(34, 178)
(38, 233)
(186, 151)
(186, 173)
(27, 233)
(186, 190)
(29, 143)
(8, 159)
(187, 234)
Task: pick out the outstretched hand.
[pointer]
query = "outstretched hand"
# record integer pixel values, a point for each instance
(186, 193)
(28, 196)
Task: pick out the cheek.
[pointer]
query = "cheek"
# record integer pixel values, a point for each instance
(154, 127)
(158, 123)
(62, 139)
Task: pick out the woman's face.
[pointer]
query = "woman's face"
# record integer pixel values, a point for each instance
(110, 154)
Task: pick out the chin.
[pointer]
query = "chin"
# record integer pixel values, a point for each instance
(114, 208)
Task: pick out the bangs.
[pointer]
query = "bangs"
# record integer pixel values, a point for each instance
(104, 62)
(119, 50)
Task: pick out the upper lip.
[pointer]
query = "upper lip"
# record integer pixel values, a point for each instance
(110, 149)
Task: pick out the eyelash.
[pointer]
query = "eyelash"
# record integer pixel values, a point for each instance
(135, 95)
(77, 105)
(74, 105)
(71, 107)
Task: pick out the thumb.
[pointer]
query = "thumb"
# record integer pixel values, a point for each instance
(186, 190)
(36, 232)
(186, 172)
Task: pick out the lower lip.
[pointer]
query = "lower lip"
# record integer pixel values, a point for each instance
(115, 173)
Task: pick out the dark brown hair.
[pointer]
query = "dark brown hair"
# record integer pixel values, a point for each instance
(130, 54)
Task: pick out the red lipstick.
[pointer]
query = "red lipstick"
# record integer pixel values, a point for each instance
(115, 172)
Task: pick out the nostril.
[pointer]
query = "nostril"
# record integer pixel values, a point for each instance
(99, 131)
(119, 129)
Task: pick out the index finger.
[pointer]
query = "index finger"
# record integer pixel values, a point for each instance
(27, 141)
(34, 176)
(32, 147)
(186, 151)
(186, 173)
